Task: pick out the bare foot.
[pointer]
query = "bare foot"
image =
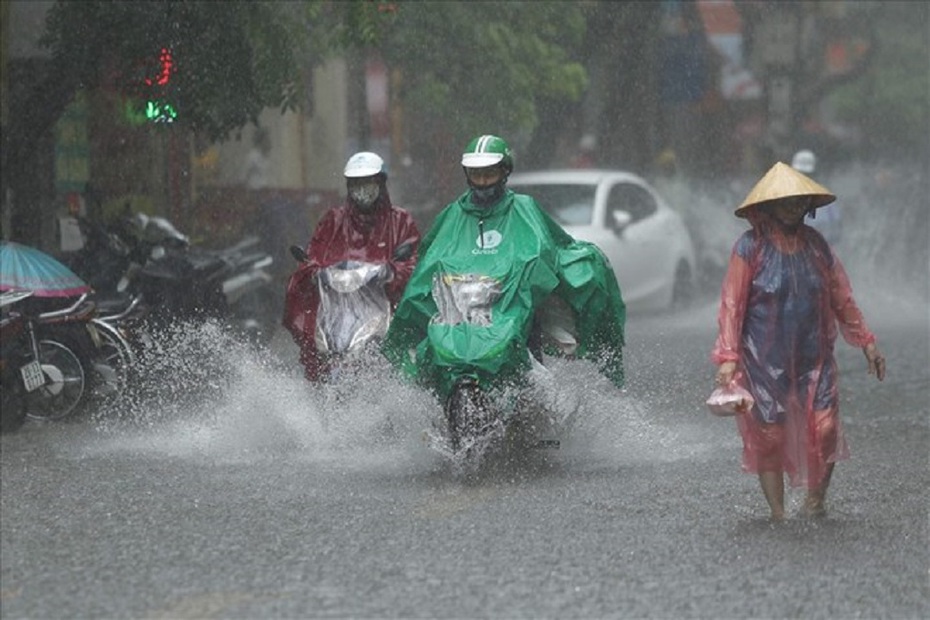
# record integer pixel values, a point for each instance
(814, 507)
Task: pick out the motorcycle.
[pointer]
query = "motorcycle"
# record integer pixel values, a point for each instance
(495, 292)
(122, 317)
(20, 370)
(247, 289)
(149, 259)
(123, 336)
(60, 355)
(354, 310)
(490, 406)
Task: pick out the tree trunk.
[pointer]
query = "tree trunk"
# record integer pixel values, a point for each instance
(39, 93)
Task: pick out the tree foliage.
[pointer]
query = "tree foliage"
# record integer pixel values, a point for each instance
(476, 66)
(890, 102)
(232, 59)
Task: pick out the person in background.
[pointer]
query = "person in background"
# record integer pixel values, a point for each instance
(827, 219)
(257, 166)
(783, 296)
(367, 227)
(586, 157)
(70, 237)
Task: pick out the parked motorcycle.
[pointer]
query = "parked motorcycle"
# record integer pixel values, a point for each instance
(354, 310)
(59, 355)
(20, 370)
(122, 339)
(123, 319)
(151, 260)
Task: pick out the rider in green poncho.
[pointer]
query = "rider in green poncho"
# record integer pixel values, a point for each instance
(490, 232)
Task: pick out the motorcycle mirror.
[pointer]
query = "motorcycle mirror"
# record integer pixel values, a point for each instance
(298, 253)
(403, 251)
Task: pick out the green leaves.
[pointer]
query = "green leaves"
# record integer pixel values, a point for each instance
(891, 99)
(480, 65)
(485, 66)
(232, 58)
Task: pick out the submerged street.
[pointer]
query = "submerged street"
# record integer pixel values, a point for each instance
(221, 223)
(270, 502)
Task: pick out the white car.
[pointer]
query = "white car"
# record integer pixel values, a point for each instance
(646, 242)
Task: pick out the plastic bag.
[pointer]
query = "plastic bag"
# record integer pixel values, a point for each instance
(730, 400)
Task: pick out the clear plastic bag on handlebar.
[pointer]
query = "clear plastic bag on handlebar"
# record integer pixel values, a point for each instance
(466, 298)
(350, 276)
(354, 307)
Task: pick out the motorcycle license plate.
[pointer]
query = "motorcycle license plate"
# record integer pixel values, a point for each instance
(33, 376)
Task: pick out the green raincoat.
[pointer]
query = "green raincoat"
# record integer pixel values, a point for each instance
(532, 257)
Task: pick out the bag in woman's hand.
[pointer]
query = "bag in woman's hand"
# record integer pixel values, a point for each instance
(730, 400)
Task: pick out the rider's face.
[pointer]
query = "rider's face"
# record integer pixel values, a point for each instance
(484, 177)
(790, 211)
(362, 183)
(364, 191)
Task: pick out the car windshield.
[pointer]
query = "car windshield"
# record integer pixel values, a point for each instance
(568, 203)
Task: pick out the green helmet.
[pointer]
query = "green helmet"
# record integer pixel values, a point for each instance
(485, 151)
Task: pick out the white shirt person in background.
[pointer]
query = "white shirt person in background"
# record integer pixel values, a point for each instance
(828, 220)
(257, 163)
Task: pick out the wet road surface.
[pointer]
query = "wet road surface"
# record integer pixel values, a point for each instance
(254, 506)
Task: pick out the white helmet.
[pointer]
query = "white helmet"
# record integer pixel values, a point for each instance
(364, 164)
(804, 161)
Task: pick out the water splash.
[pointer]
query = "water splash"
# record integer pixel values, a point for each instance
(205, 393)
(209, 396)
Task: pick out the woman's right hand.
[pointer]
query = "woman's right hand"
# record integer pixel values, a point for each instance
(875, 359)
(725, 373)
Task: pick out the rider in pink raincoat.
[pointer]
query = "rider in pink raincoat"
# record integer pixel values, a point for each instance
(782, 298)
(367, 228)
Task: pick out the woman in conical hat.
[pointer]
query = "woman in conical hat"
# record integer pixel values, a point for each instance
(783, 295)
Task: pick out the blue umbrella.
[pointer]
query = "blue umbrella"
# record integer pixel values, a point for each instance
(23, 267)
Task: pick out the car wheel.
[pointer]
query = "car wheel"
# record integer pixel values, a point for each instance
(683, 288)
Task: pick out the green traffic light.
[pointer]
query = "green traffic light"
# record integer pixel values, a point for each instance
(160, 112)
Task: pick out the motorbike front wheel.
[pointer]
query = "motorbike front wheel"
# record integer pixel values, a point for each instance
(64, 383)
(469, 415)
(114, 359)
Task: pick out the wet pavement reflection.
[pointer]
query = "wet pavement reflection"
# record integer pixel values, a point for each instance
(265, 499)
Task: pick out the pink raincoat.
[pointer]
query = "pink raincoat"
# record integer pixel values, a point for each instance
(781, 301)
(345, 233)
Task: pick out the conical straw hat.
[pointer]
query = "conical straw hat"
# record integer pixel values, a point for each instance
(783, 181)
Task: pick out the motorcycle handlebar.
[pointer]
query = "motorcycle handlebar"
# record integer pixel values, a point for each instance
(53, 314)
(298, 253)
(401, 252)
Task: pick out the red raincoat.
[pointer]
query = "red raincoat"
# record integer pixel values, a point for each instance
(345, 233)
(782, 299)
